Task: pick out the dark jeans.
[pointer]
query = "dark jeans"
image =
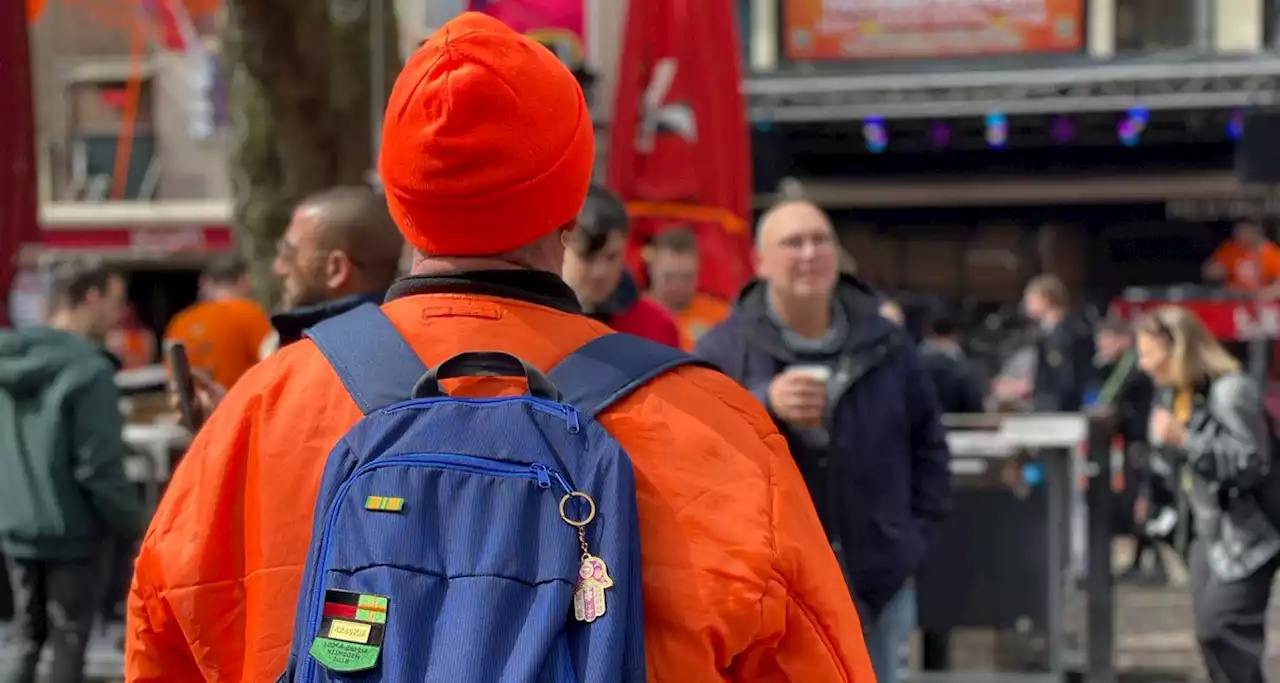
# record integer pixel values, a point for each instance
(1230, 619)
(54, 603)
(118, 575)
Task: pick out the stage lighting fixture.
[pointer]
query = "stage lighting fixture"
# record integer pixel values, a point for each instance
(875, 134)
(1235, 125)
(1130, 128)
(939, 135)
(1062, 130)
(997, 132)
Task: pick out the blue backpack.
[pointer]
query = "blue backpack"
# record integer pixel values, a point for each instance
(465, 540)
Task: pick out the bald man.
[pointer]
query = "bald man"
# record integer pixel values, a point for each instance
(341, 249)
(847, 389)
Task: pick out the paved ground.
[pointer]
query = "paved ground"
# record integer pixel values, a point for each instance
(1155, 634)
(106, 660)
(1155, 640)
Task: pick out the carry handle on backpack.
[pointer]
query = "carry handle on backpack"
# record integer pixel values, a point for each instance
(378, 367)
(484, 364)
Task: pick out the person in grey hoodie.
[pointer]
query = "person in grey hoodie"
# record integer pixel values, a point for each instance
(1209, 419)
(64, 487)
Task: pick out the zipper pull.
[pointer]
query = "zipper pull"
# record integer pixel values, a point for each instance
(562, 482)
(543, 475)
(571, 417)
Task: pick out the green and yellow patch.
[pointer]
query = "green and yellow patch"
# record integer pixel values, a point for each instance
(384, 503)
(352, 628)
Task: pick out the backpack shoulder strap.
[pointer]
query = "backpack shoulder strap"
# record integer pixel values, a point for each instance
(607, 369)
(372, 359)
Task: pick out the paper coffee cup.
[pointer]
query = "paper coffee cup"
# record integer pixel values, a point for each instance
(820, 373)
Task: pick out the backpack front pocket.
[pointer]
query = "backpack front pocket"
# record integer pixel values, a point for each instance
(439, 543)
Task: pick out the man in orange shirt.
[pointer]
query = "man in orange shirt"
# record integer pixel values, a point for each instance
(487, 155)
(222, 332)
(672, 260)
(1248, 262)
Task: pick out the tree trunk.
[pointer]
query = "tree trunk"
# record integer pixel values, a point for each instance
(299, 104)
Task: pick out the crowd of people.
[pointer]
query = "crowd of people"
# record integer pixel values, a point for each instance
(791, 471)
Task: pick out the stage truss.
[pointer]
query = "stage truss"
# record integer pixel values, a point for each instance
(1221, 84)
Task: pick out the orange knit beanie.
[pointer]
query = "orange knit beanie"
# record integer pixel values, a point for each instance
(487, 143)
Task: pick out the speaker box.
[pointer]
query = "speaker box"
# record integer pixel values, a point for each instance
(1258, 150)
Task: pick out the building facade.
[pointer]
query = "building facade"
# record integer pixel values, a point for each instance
(965, 145)
(987, 129)
(84, 53)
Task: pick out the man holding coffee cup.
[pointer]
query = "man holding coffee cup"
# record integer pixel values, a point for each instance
(799, 394)
(857, 407)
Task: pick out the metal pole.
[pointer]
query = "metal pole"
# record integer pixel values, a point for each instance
(1273, 40)
(1203, 21)
(377, 86)
(1100, 611)
(591, 39)
(1058, 483)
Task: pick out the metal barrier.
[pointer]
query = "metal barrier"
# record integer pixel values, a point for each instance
(1001, 561)
(150, 462)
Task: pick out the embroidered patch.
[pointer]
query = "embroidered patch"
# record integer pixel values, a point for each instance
(384, 503)
(344, 657)
(352, 628)
(350, 631)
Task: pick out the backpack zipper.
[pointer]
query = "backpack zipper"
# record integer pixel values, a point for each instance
(542, 405)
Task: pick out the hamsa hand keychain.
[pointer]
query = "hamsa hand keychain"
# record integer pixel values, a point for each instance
(593, 574)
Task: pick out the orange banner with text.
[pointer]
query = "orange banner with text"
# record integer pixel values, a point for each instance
(849, 30)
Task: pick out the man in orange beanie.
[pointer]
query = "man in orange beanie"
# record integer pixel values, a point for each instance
(487, 155)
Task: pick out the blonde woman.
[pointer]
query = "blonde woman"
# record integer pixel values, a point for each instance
(1210, 416)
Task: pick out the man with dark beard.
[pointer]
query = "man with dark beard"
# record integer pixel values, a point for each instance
(341, 249)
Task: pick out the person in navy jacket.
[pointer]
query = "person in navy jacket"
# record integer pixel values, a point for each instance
(850, 393)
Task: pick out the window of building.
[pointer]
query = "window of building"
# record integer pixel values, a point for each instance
(1155, 25)
(98, 133)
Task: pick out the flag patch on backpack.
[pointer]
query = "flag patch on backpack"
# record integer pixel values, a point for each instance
(352, 629)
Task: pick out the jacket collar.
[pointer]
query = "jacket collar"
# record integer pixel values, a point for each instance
(950, 349)
(860, 303)
(530, 286)
(623, 298)
(292, 323)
